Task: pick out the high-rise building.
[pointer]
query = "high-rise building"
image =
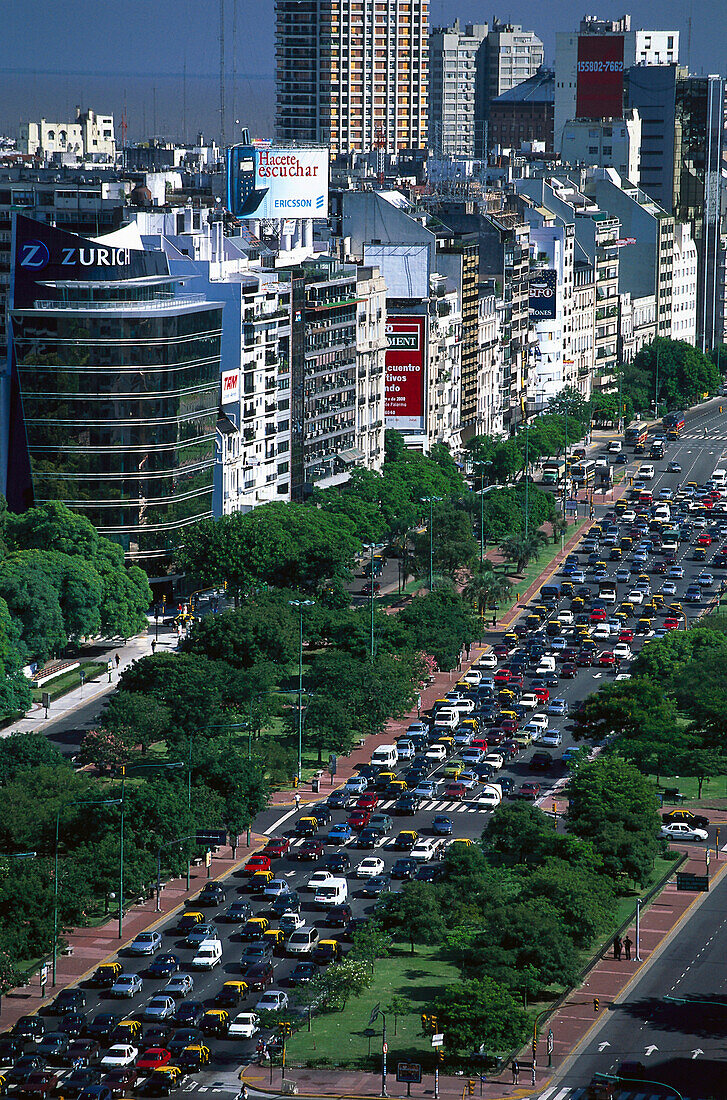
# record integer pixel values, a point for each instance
(524, 113)
(454, 56)
(510, 55)
(352, 74)
(590, 64)
(111, 400)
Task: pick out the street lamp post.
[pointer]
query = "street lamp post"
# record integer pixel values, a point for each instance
(136, 767)
(372, 547)
(431, 502)
(527, 464)
(638, 929)
(82, 802)
(300, 604)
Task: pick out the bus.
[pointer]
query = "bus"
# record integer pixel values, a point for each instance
(583, 473)
(673, 421)
(554, 471)
(636, 433)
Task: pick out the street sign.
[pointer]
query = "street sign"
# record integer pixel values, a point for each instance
(438, 1040)
(213, 837)
(385, 1048)
(688, 881)
(374, 1013)
(43, 975)
(410, 1073)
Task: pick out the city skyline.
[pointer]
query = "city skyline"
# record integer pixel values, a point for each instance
(181, 48)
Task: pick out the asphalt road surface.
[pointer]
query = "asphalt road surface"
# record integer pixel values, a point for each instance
(698, 457)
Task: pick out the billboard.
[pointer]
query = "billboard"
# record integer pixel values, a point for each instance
(272, 181)
(404, 396)
(599, 76)
(541, 292)
(230, 387)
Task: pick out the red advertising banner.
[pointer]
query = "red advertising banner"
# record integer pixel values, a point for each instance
(404, 401)
(599, 80)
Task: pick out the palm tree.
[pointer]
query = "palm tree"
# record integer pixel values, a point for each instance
(523, 548)
(485, 588)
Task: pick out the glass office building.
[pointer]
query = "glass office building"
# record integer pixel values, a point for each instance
(119, 381)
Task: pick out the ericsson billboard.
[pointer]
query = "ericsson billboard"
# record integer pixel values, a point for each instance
(271, 181)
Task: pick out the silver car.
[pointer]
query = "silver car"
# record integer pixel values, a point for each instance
(146, 943)
(126, 985)
(160, 1007)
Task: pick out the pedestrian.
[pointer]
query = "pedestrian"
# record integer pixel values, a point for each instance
(617, 946)
(627, 947)
(118, 660)
(243, 1093)
(494, 621)
(515, 1071)
(153, 646)
(297, 801)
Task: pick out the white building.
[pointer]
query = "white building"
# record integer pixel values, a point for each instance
(605, 143)
(602, 42)
(444, 366)
(637, 324)
(511, 56)
(453, 59)
(489, 366)
(684, 285)
(88, 137)
(371, 345)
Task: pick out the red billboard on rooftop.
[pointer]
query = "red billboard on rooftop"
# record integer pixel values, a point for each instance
(599, 81)
(404, 396)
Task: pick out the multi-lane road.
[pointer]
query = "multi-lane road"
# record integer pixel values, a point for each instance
(698, 456)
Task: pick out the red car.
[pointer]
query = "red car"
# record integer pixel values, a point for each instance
(529, 791)
(626, 635)
(359, 820)
(707, 502)
(598, 615)
(259, 862)
(704, 540)
(569, 670)
(368, 801)
(543, 694)
(154, 1058)
(585, 659)
(607, 659)
(455, 790)
(502, 676)
(310, 851)
(500, 650)
(516, 679)
(671, 624)
(508, 725)
(276, 847)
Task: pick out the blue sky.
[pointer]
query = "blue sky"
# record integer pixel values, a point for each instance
(104, 53)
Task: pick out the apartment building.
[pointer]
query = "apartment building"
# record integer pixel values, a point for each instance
(511, 55)
(352, 74)
(684, 286)
(524, 113)
(89, 137)
(454, 56)
(489, 384)
(371, 345)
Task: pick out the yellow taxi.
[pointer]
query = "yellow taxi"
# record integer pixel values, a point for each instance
(700, 553)
(596, 529)
(505, 697)
(128, 1031)
(524, 738)
(461, 842)
(621, 616)
(406, 839)
(470, 724)
(658, 598)
(190, 920)
(106, 974)
(164, 1079)
(589, 643)
(626, 542)
(255, 928)
(566, 588)
(447, 741)
(260, 879)
(620, 506)
(232, 993)
(386, 777)
(627, 608)
(453, 769)
(216, 1021)
(326, 951)
(307, 826)
(675, 607)
(577, 603)
(195, 1056)
(532, 621)
(511, 637)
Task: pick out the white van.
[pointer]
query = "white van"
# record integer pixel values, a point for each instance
(386, 756)
(436, 754)
(334, 892)
(719, 478)
(448, 717)
(662, 512)
(646, 471)
(547, 664)
(209, 954)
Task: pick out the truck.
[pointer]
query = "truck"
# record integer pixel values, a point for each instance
(554, 471)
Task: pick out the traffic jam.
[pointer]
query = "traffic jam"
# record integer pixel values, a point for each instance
(208, 986)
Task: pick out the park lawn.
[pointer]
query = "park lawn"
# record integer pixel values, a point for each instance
(70, 680)
(338, 1039)
(626, 905)
(688, 785)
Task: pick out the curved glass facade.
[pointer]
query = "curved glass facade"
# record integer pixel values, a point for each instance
(120, 402)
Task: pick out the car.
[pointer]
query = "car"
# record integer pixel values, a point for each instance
(275, 888)
(404, 868)
(374, 887)
(258, 862)
(101, 1027)
(40, 1082)
(606, 659)
(284, 903)
(557, 706)
(68, 1000)
(153, 1058)
(317, 879)
(310, 851)
(182, 1037)
(276, 847)
(244, 1026)
(441, 825)
(72, 1024)
(569, 670)
(213, 893)
(189, 1014)
(529, 700)
(199, 933)
(705, 580)
(550, 738)
(119, 1055)
(338, 916)
(424, 849)
(674, 468)
(696, 821)
(273, 1000)
(146, 943)
(22, 1067)
(164, 966)
(407, 804)
(680, 830)
(528, 792)
(693, 594)
(369, 867)
(126, 985)
(622, 651)
(53, 1047)
(302, 973)
(161, 1007)
(82, 1078)
(180, 985)
(343, 799)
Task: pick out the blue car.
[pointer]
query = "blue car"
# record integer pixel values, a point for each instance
(340, 834)
(693, 594)
(164, 966)
(622, 575)
(557, 706)
(442, 826)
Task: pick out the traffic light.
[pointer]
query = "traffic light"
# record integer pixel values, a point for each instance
(440, 1055)
(433, 1022)
(425, 1022)
(471, 1087)
(535, 1045)
(286, 1027)
(595, 1004)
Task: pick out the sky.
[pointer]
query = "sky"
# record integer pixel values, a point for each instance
(116, 55)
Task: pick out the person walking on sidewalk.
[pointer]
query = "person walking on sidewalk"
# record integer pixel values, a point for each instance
(617, 946)
(297, 801)
(627, 946)
(515, 1067)
(118, 660)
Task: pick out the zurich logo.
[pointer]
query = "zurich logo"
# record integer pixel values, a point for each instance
(34, 254)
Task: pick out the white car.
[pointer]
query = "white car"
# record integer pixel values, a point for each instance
(424, 850)
(319, 878)
(244, 1026)
(622, 651)
(161, 1007)
(529, 700)
(603, 630)
(635, 596)
(679, 830)
(566, 618)
(487, 661)
(370, 867)
(615, 447)
(472, 676)
(274, 1000)
(628, 515)
(551, 738)
(126, 985)
(540, 721)
(490, 797)
(356, 784)
(119, 1056)
(495, 760)
(275, 887)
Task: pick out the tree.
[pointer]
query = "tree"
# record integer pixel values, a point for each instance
(10, 976)
(702, 763)
(138, 719)
(262, 629)
(684, 374)
(453, 546)
(340, 981)
(414, 914)
(522, 549)
(439, 623)
(486, 588)
(103, 748)
(371, 942)
(480, 1014)
(34, 604)
(518, 834)
(24, 751)
(399, 1006)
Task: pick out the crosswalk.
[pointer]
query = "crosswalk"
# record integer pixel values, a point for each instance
(700, 435)
(555, 1093)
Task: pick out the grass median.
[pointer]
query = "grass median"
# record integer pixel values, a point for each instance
(66, 682)
(341, 1040)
